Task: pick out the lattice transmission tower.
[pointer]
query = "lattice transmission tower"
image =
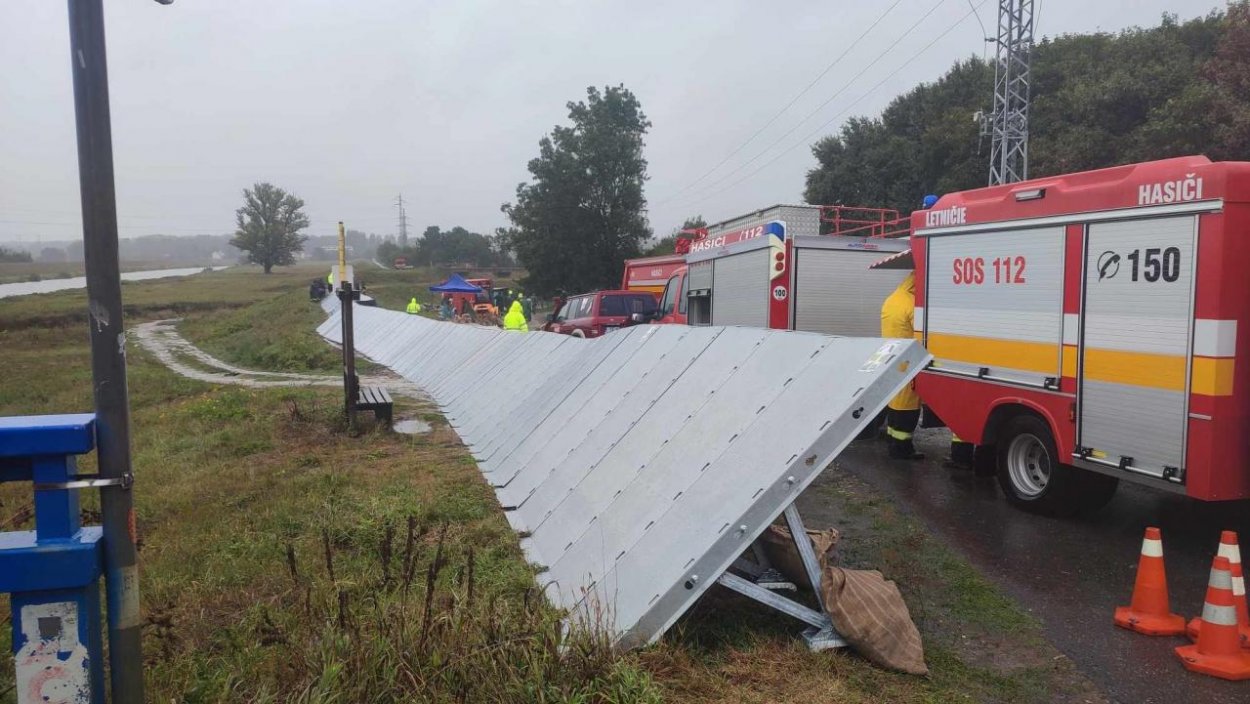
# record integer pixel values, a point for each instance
(403, 221)
(1008, 124)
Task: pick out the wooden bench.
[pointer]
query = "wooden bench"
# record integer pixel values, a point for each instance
(378, 400)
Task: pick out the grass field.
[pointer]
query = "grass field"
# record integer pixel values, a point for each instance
(286, 559)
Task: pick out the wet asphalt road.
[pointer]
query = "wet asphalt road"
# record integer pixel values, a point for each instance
(1072, 573)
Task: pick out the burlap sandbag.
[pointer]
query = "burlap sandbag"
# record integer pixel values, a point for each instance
(781, 551)
(868, 610)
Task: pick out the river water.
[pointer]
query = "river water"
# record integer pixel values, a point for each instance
(48, 286)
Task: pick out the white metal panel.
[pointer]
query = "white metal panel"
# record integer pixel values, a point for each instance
(683, 444)
(799, 220)
(998, 286)
(627, 392)
(836, 293)
(1215, 338)
(1138, 299)
(740, 289)
(722, 509)
(610, 512)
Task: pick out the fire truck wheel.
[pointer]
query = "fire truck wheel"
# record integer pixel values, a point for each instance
(1028, 469)
(578, 333)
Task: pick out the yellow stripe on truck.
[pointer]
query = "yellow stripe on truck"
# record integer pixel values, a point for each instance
(1037, 357)
(1211, 376)
(1159, 371)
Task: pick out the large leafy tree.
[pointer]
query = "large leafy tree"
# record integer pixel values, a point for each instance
(1098, 100)
(583, 213)
(269, 225)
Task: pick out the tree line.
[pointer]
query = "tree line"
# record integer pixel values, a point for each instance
(455, 248)
(8, 255)
(1098, 100)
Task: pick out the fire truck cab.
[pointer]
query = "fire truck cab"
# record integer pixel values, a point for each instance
(1086, 329)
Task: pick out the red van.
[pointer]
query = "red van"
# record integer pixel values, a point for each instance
(593, 314)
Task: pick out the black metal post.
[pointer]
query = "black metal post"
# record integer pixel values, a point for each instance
(348, 294)
(108, 346)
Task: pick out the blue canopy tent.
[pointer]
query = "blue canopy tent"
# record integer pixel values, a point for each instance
(455, 284)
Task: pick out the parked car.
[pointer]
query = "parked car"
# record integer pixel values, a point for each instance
(593, 314)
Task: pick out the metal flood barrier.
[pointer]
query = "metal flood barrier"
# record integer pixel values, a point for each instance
(640, 466)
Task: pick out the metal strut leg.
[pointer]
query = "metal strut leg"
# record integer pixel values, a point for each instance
(810, 564)
(821, 635)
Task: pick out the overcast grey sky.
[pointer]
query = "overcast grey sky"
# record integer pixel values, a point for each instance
(349, 103)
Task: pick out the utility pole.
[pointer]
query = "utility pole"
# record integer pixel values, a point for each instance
(403, 221)
(1009, 122)
(108, 346)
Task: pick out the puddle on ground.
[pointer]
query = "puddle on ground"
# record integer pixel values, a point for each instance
(411, 426)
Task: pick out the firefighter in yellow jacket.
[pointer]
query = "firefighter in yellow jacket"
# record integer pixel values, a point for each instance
(515, 319)
(903, 413)
(413, 307)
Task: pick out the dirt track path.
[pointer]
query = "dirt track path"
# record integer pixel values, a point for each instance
(162, 340)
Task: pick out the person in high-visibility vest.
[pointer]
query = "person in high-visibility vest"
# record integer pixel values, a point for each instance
(903, 413)
(515, 319)
(414, 307)
(527, 305)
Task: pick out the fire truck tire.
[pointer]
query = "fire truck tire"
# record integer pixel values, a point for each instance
(578, 333)
(1029, 472)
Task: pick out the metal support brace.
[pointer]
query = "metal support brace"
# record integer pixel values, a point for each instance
(769, 598)
(747, 567)
(804, 545)
(821, 635)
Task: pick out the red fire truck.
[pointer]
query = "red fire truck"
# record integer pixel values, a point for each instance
(651, 273)
(773, 268)
(1086, 327)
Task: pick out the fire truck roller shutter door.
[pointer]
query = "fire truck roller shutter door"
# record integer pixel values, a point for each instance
(740, 293)
(698, 288)
(995, 303)
(1136, 347)
(836, 293)
(700, 276)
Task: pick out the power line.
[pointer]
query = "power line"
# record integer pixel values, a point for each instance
(788, 105)
(200, 230)
(983, 32)
(871, 64)
(845, 110)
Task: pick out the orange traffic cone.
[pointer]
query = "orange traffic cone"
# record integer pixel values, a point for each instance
(1218, 650)
(1149, 612)
(1230, 549)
